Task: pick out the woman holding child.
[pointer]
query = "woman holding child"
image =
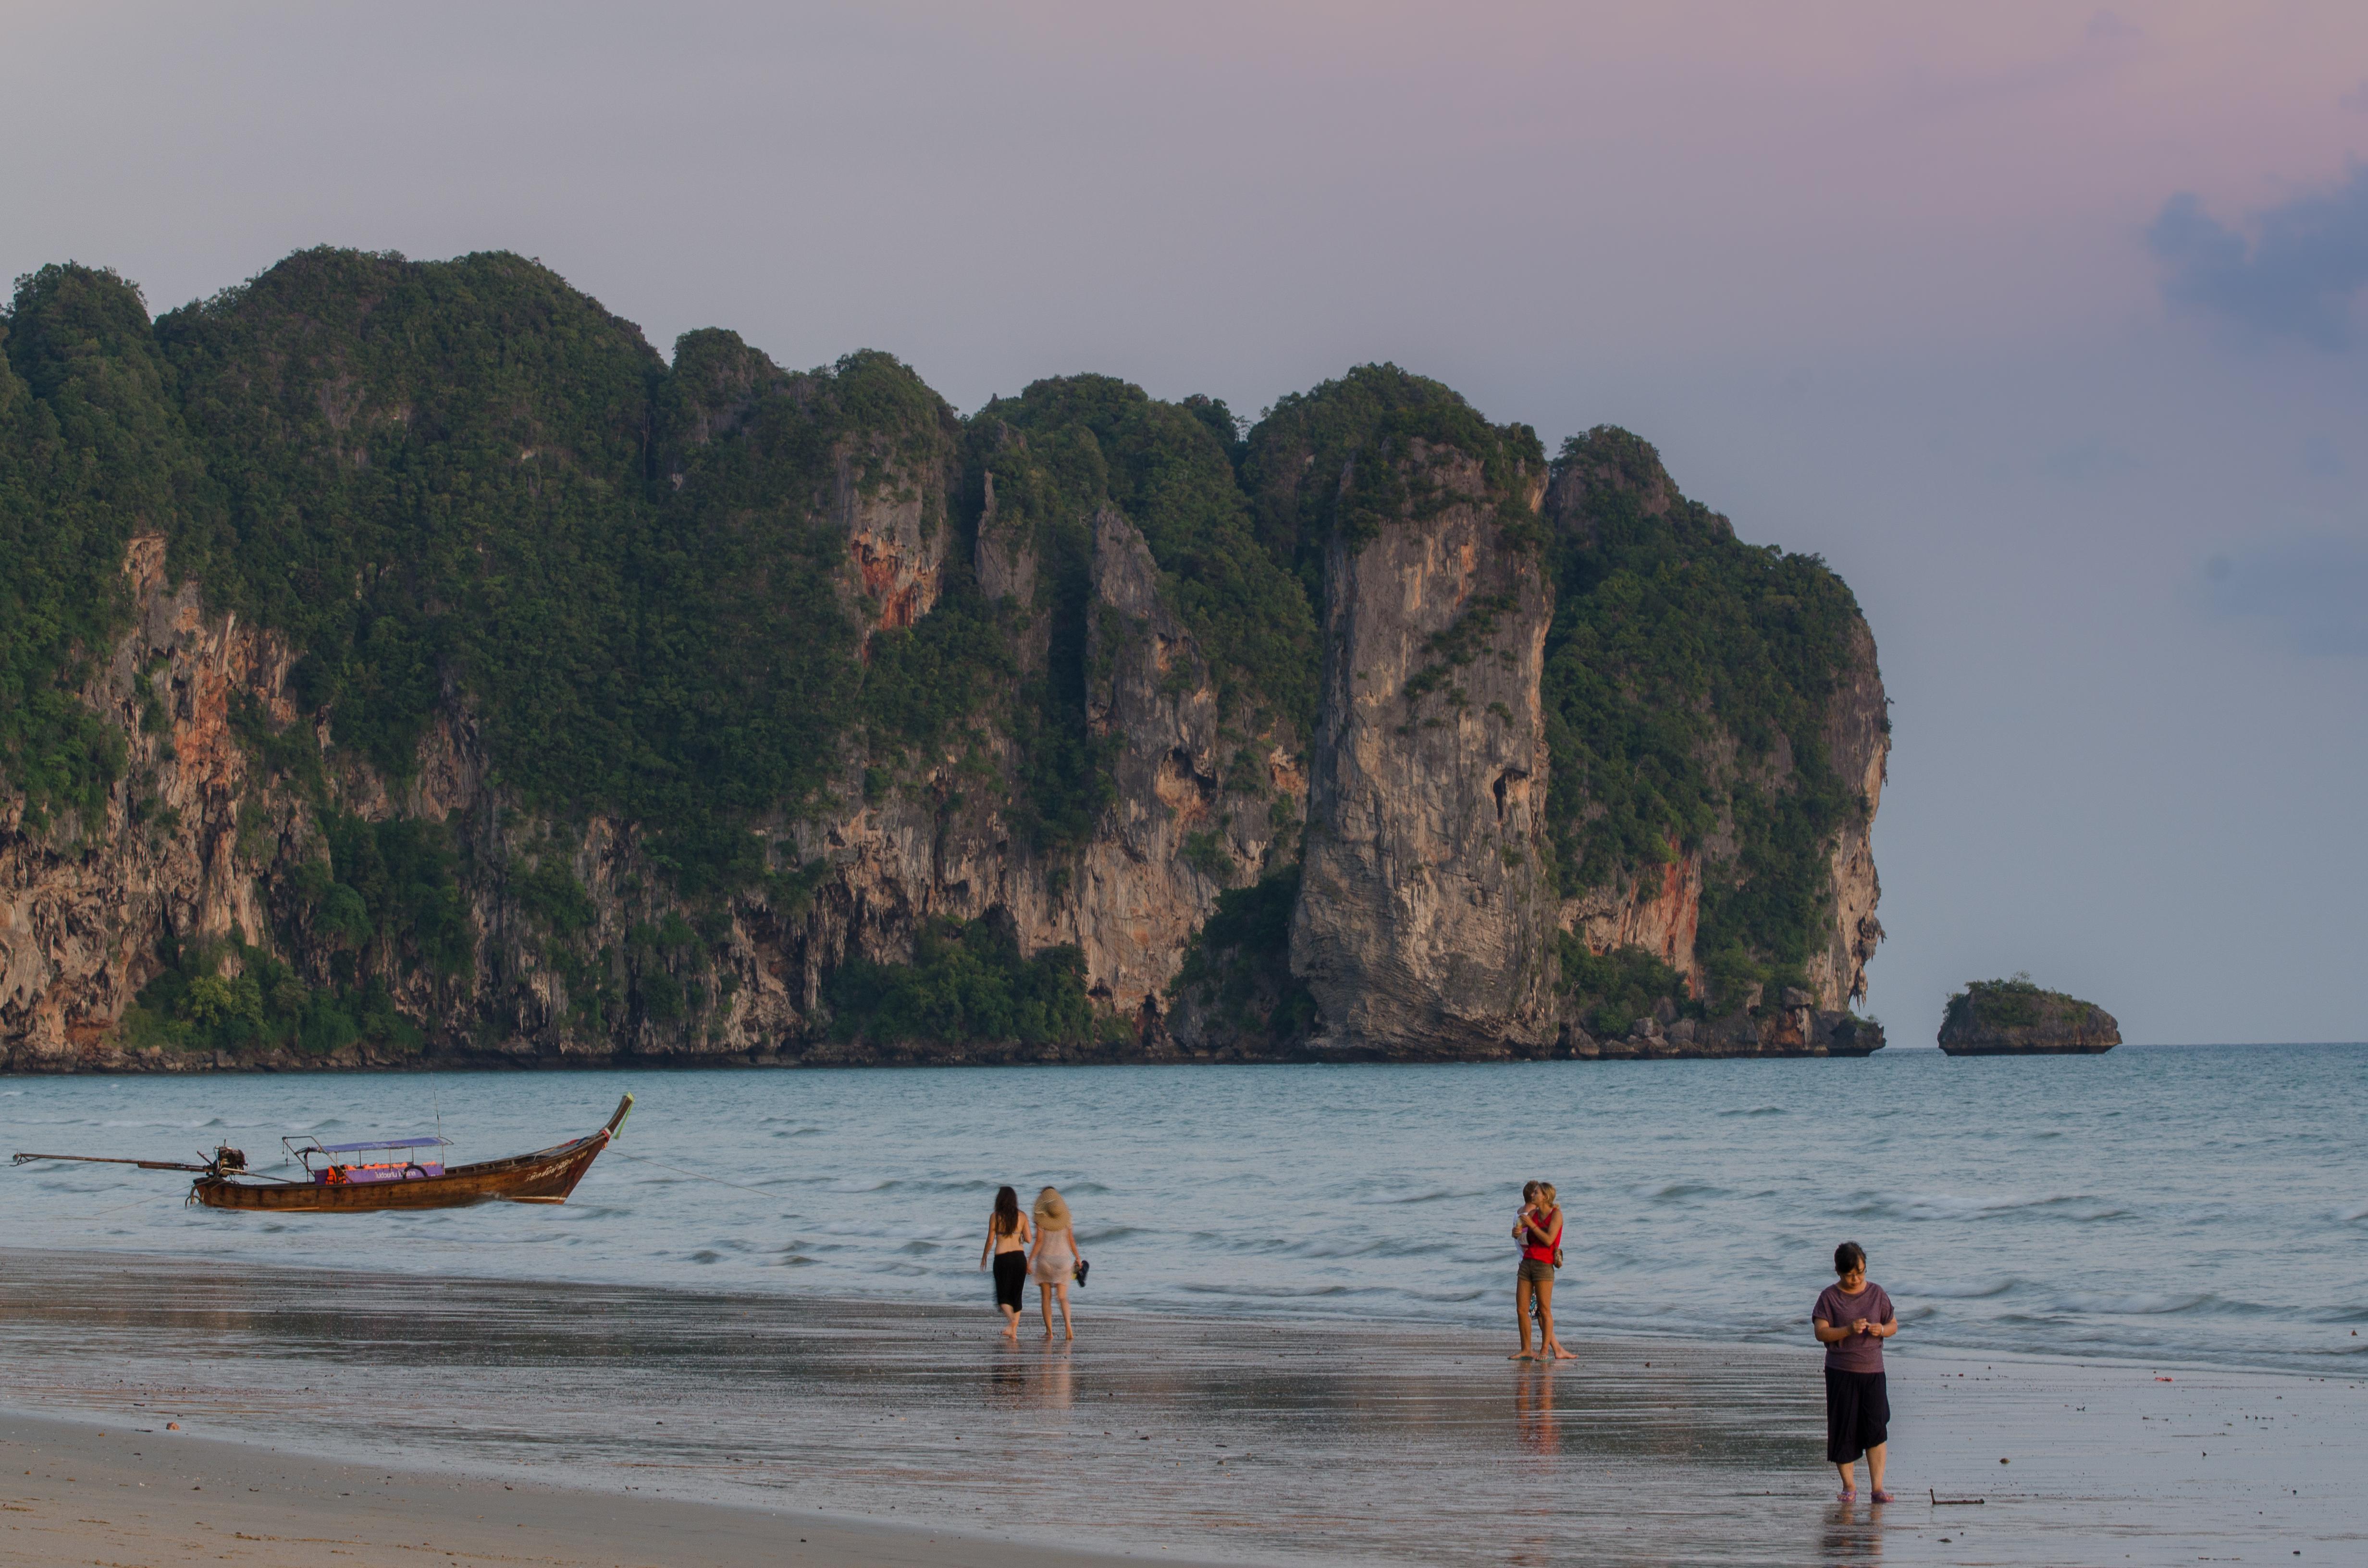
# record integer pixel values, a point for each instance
(1537, 1230)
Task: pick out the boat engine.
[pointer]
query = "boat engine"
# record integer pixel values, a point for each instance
(229, 1159)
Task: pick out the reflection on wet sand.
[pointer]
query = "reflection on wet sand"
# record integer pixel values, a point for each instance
(1256, 1440)
(1533, 1409)
(1851, 1536)
(1041, 1379)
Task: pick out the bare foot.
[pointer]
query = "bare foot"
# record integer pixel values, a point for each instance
(1520, 1356)
(1068, 1334)
(1562, 1355)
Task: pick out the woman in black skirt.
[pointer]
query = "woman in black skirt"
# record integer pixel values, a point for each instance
(1007, 1246)
(1852, 1320)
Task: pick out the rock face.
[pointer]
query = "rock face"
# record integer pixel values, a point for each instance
(1175, 833)
(1424, 919)
(74, 912)
(1858, 746)
(2014, 1018)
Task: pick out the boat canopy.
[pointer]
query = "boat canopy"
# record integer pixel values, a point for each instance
(382, 1143)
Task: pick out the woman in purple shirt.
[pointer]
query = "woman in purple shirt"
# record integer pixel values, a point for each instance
(1852, 1319)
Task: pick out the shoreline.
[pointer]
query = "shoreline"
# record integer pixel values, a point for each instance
(155, 1063)
(1220, 1439)
(1380, 1323)
(159, 1062)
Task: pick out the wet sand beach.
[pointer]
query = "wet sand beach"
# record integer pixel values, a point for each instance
(733, 1422)
(79, 1492)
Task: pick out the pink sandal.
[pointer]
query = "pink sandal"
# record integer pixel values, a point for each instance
(1882, 1496)
(1845, 1496)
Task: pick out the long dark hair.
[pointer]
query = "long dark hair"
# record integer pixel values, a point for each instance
(1006, 1211)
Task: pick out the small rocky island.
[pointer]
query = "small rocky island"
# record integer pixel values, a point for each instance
(2015, 1017)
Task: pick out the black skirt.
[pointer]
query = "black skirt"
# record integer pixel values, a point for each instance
(1858, 1413)
(1011, 1279)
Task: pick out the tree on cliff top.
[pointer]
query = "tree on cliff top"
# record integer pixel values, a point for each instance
(1334, 456)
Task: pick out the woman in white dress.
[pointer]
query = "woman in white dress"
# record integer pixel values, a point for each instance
(1052, 1261)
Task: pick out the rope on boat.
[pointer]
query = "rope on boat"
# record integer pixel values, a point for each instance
(148, 1198)
(719, 1181)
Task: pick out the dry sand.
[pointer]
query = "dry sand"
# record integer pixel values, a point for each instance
(580, 1425)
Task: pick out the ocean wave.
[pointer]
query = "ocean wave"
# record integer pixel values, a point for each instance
(1756, 1110)
(2148, 1303)
(1357, 1244)
(2079, 1206)
(1428, 1195)
(1373, 1246)
(1978, 1291)
(2354, 1218)
(1676, 1190)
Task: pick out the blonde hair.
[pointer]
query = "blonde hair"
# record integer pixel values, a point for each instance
(1547, 1195)
(1052, 1211)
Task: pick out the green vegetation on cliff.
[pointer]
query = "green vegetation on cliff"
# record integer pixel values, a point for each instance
(1613, 990)
(1687, 679)
(1238, 966)
(91, 453)
(968, 982)
(198, 1004)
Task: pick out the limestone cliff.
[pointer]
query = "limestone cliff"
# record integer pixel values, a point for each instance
(419, 668)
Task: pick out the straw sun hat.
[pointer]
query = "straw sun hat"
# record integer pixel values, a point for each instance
(1052, 1211)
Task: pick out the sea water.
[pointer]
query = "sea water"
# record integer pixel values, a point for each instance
(2196, 1204)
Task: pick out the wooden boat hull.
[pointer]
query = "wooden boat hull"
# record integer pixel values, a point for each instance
(546, 1177)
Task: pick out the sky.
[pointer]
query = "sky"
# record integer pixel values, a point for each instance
(2040, 322)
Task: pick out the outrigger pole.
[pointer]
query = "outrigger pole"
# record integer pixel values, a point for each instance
(110, 1160)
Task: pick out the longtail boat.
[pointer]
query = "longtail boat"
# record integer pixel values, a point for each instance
(415, 1180)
